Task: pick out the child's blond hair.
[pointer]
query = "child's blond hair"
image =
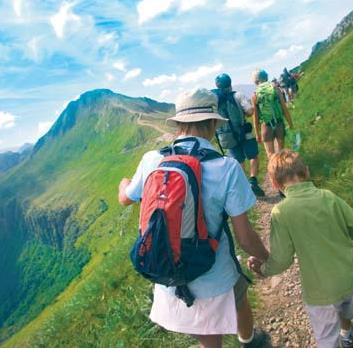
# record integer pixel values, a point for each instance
(286, 165)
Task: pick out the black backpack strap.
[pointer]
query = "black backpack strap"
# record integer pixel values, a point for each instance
(208, 155)
(228, 232)
(219, 144)
(183, 293)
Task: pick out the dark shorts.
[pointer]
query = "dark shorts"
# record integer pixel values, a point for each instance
(240, 290)
(269, 134)
(248, 149)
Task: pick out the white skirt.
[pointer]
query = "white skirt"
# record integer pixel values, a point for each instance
(209, 316)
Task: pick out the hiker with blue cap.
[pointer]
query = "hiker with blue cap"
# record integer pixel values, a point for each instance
(270, 109)
(236, 135)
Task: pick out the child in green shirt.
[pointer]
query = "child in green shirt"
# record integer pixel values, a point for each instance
(317, 226)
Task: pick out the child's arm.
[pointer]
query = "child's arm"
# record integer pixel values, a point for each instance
(281, 248)
(285, 109)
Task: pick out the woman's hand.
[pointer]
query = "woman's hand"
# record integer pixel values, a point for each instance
(122, 197)
(124, 183)
(254, 265)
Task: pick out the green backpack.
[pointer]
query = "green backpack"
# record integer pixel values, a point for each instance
(268, 104)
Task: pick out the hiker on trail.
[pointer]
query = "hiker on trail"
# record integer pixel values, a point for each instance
(215, 303)
(277, 85)
(289, 83)
(236, 135)
(269, 112)
(317, 226)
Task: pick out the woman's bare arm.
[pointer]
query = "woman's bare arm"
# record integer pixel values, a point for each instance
(247, 238)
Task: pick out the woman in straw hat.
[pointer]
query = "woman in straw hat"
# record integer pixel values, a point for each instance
(221, 306)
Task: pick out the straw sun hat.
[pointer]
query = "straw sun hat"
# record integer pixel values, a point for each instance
(196, 106)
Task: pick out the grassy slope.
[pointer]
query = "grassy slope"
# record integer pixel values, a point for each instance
(107, 304)
(326, 92)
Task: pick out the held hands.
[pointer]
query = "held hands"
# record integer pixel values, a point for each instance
(254, 265)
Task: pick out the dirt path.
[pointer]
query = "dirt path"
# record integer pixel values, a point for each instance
(164, 137)
(281, 310)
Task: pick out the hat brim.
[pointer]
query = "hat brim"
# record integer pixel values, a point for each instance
(197, 117)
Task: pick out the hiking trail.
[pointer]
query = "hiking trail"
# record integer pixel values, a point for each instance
(165, 135)
(280, 310)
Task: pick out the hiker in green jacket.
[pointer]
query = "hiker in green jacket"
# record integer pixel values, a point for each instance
(317, 226)
(269, 112)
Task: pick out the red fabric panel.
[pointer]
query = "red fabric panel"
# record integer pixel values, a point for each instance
(170, 197)
(195, 165)
(176, 192)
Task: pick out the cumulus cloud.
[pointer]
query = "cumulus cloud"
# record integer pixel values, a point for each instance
(120, 65)
(284, 53)
(34, 51)
(131, 74)
(7, 120)
(110, 77)
(188, 77)
(63, 18)
(149, 9)
(253, 6)
(165, 94)
(17, 7)
(200, 72)
(159, 80)
(186, 5)
(43, 127)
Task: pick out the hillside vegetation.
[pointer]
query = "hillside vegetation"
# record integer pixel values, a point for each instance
(324, 114)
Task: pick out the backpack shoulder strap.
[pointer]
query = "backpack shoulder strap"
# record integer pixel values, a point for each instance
(208, 155)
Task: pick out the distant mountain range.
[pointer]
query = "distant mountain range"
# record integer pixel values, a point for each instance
(12, 157)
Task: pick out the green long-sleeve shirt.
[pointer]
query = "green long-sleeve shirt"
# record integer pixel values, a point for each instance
(317, 226)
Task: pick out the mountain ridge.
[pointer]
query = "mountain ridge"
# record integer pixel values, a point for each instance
(341, 30)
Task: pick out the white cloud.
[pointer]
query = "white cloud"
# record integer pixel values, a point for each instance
(17, 7)
(159, 80)
(120, 65)
(165, 94)
(7, 120)
(254, 6)
(63, 18)
(33, 49)
(199, 73)
(131, 74)
(110, 77)
(43, 127)
(186, 5)
(148, 9)
(284, 53)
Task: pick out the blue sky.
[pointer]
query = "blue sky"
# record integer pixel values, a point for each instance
(51, 51)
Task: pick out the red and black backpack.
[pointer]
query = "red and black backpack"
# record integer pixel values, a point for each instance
(174, 246)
